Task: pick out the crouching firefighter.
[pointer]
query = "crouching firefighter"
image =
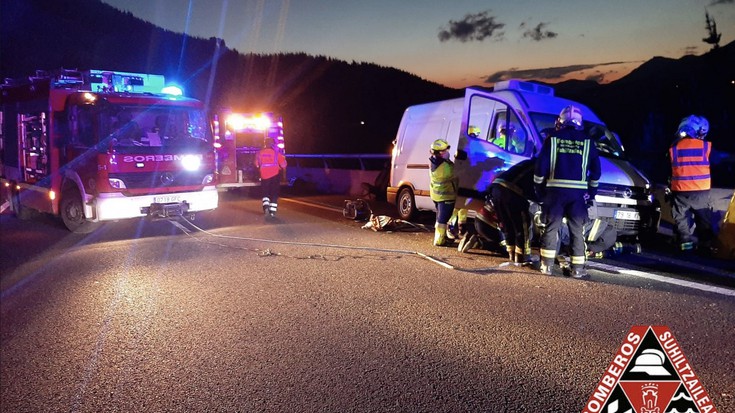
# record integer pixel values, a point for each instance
(443, 189)
(270, 160)
(511, 191)
(566, 175)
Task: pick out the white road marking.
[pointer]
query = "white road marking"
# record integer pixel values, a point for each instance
(668, 280)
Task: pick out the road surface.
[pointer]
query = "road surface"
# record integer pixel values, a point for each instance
(312, 313)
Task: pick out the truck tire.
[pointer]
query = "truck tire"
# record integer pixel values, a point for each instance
(71, 210)
(406, 204)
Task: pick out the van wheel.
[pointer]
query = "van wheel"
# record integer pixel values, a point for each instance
(72, 213)
(406, 204)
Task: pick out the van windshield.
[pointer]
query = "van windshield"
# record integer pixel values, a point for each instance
(607, 143)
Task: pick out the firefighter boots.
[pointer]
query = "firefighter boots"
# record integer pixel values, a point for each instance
(546, 267)
(440, 235)
(580, 273)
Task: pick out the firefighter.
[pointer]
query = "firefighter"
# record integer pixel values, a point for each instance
(600, 238)
(457, 227)
(690, 184)
(270, 160)
(487, 231)
(443, 189)
(128, 130)
(511, 192)
(566, 175)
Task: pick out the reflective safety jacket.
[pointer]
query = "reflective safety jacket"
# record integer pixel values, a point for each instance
(690, 168)
(270, 162)
(443, 182)
(568, 159)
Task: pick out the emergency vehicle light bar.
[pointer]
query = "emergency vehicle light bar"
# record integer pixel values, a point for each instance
(110, 81)
(239, 122)
(515, 84)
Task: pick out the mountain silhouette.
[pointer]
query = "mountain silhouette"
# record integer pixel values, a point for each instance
(646, 106)
(333, 106)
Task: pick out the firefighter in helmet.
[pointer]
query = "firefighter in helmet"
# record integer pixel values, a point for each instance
(271, 161)
(474, 131)
(566, 175)
(690, 183)
(443, 189)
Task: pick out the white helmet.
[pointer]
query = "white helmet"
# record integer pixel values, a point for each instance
(570, 116)
(693, 126)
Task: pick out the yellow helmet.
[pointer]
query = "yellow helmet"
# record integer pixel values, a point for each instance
(440, 145)
(474, 131)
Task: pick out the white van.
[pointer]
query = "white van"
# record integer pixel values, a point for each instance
(490, 130)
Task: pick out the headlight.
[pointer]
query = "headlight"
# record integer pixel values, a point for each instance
(191, 162)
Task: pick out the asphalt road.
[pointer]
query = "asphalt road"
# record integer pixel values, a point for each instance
(312, 313)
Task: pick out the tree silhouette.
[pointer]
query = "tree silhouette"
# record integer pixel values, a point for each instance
(714, 37)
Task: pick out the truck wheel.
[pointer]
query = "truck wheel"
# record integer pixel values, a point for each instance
(406, 204)
(72, 213)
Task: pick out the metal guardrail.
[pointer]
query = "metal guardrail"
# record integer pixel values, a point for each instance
(349, 174)
(362, 162)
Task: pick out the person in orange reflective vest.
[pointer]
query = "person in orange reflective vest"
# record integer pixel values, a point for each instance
(271, 161)
(690, 184)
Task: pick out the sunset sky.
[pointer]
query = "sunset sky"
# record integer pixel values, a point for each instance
(460, 42)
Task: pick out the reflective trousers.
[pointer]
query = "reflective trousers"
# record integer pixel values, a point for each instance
(270, 188)
(513, 213)
(560, 203)
(698, 204)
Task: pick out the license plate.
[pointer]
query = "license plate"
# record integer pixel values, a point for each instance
(166, 199)
(628, 215)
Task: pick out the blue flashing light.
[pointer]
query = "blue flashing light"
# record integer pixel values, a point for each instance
(172, 90)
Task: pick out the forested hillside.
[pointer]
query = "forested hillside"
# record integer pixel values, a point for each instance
(332, 106)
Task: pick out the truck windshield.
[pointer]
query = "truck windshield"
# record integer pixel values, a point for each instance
(607, 143)
(158, 126)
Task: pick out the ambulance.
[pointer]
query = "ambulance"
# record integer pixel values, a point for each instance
(489, 131)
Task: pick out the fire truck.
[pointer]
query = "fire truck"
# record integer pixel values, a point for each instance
(94, 146)
(238, 138)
